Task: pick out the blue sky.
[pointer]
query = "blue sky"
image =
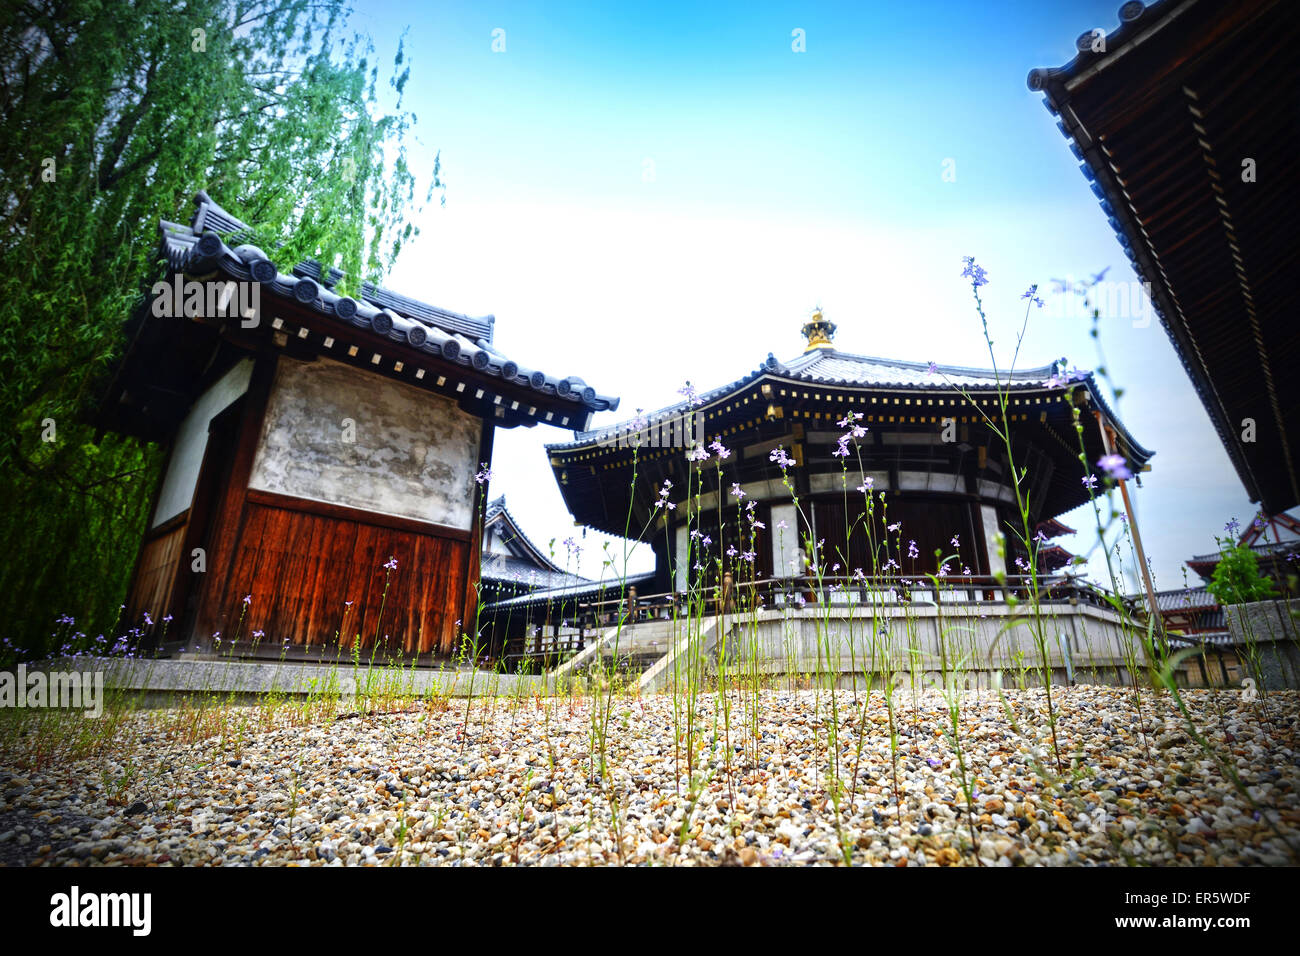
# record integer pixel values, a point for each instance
(644, 194)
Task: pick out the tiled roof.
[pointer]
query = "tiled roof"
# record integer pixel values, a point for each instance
(827, 366)
(202, 247)
(1185, 599)
(509, 569)
(1271, 548)
(1135, 18)
(1052, 528)
(514, 538)
(1214, 638)
(569, 596)
(1053, 557)
(833, 367)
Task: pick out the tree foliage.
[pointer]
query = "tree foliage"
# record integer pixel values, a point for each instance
(112, 114)
(1236, 579)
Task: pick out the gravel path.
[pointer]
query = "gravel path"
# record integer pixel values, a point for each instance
(412, 788)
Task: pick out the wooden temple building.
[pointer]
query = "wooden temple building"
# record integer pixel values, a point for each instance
(1053, 557)
(1275, 542)
(512, 564)
(925, 444)
(517, 577)
(1193, 617)
(326, 473)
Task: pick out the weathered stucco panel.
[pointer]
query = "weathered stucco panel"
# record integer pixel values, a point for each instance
(411, 454)
(989, 520)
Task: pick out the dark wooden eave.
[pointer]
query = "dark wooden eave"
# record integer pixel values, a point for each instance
(799, 402)
(1162, 121)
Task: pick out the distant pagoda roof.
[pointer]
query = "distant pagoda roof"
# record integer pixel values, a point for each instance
(1274, 556)
(1267, 548)
(1052, 528)
(1053, 557)
(1183, 121)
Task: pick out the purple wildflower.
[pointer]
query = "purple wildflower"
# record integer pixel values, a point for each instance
(688, 390)
(663, 501)
(1115, 466)
(971, 270)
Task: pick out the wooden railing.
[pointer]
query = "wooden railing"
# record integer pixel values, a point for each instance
(860, 592)
(577, 621)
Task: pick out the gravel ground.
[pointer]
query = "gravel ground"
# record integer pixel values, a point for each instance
(413, 787)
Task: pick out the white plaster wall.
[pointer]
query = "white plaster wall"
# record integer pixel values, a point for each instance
(681, 549)
(414, 454)
(192, 440)
(989, 519)
(927, 481)
(992, 489)
(836, 482)
(492, 543)
(785, 541)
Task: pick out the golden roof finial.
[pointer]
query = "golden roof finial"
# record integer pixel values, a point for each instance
(819, 332)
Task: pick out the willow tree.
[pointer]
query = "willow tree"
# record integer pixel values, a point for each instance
(112, 114)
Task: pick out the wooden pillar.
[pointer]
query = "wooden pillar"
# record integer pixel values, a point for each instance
(1200, 663)
(1153, 609)
(214, 608)
(133, 610)
(469, 606)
